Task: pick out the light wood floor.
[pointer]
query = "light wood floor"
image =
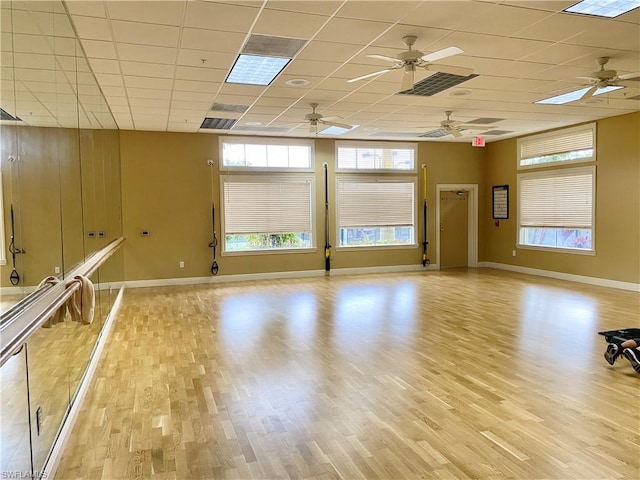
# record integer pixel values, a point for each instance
(454, 374)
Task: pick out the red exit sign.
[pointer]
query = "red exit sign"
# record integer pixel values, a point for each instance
(478, 142)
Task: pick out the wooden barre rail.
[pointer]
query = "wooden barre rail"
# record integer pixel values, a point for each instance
(17, 331)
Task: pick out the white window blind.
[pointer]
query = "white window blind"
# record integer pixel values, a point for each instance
(569, 144)
(272, 206)
(371, 156)
(368, 203)
(562, 199)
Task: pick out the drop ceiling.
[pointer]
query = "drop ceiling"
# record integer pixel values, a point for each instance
(162, 65)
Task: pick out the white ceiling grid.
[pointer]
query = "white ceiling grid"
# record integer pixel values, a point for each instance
(162, 64)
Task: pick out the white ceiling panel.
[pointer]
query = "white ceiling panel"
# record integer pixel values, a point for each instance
(86, 8)
(205, 58)
(328, 51)
(220, 16)
(148, 82)
(209, 40)
(145, 34)
(141, 69)
(340, 30)
(201, 74)
(166, 13)
(99, 49)
(326, 7)
(93, 28)
(147, 53)
(288, 24)
(196, 86)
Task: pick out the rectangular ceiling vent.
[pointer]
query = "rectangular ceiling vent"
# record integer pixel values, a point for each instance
(436, 83)
(435, 133)
(496, 132)
(485, 121)
(7, 116)
(218, 123)
(249, 128)
(273, 46)
(225, 107)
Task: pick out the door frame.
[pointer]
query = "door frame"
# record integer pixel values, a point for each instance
(472, 220)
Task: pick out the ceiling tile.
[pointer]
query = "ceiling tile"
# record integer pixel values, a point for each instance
(503, 20)
(86, 8)
(196, 86)
(145, 34)
(109, 79)
(104, 66)
(310, 67)
(148, 82)
(147, 53)
(198, 39)
(167, 13)
(220, 16)
(205, 58)
(358, 32)
(99, 49)
(93, 28)
(148, 93)
(149, 102)
(147, 69)
(328, 51)
(288, 24)
(201, 74)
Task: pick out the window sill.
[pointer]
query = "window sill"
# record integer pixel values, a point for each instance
(557, 250)
(283, 251)
(359, 248)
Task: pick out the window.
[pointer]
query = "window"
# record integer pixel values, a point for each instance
(569, 145)
(556, 209)
(267, 213)
(376, 211)
(266, 154)
(363, 156)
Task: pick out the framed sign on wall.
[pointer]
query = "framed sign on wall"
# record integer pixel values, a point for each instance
(500, 202)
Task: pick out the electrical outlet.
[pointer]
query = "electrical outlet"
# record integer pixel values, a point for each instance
(102, 234)
(56, 269)
(145, 233)
(513, 253)
(181, 264)
(91, 234)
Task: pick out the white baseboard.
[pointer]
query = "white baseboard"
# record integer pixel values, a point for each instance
(164, 282)
(53, 460)
(602, 282)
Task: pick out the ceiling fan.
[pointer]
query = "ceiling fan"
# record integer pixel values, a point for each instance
(315, 118)
(605, 78)
(410, 60)
(453, 127)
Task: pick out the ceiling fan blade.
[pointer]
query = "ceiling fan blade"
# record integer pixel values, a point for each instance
(407, 80)
(462, 71)
(630, 76)
(336, 124)
(455, 132)
(384, 58)
(444, 53)
(368, 75)
(589, 93)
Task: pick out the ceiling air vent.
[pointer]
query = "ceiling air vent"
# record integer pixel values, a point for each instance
(436, 83)
(484, 121)
(273, 46)
(218, 123)
(225, 107)
(497, 132)
(435, 133)
(7, 116)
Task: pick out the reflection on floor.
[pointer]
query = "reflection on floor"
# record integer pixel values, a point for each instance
(455, 374)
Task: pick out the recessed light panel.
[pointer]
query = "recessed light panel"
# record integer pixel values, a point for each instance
(256, 70)
(336, 130)
(575, 95)
(603, 8)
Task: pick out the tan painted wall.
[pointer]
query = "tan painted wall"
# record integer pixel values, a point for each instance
(617, 234)
(167, 190)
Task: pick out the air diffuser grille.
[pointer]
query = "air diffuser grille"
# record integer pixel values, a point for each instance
(218, 123)
(436, 83)
(224, 107)
(273, 46)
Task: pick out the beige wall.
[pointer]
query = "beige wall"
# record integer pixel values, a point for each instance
(166, 189)
(617, 234)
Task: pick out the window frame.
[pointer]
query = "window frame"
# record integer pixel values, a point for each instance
(381, 177)
(238, 140)
(270, 177)
(541, 137)
(558, 172)
(372, 145)
(3, 253)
